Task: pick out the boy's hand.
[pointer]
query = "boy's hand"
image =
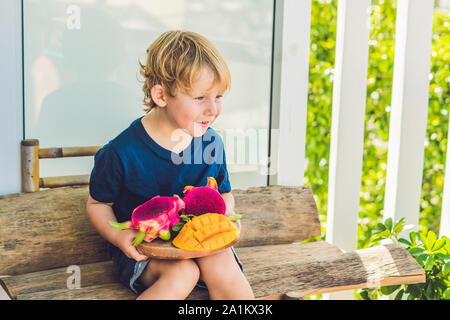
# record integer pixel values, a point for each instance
(124, 242)
(230, 213)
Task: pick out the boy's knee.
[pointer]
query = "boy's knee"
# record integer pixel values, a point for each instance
(186, 269)
(224, 269)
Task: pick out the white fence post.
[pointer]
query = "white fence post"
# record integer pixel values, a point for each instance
(347, 127)
(444, 229)
(409, 110)
(290, 91)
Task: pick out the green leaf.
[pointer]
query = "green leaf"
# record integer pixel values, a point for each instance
(399, 294)
(431, 239)
(422, 258)
(414, 290)
(382, 235)
(429, 291)
(423, 238)
(387, 290)
(416, 251)
(379, 228)
(412, 237)
(446, 268)
(399, 225)
(439, 244)
(442, 256)
(404, 241)
(388, 224)
(364, 294)
(447, 294)
(429, 263)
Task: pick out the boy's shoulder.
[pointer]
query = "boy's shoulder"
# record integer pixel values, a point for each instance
(213, 135)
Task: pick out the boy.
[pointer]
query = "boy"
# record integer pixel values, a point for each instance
(185, 78)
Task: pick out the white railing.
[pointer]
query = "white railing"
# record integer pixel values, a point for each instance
(408, 116)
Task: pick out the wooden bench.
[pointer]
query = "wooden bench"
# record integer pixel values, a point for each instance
(45, 232)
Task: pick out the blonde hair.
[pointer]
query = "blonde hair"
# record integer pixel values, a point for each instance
(174, 60)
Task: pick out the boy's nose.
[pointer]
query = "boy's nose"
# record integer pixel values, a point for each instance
(212, 108)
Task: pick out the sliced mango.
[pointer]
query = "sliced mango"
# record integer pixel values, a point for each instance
(209, 231)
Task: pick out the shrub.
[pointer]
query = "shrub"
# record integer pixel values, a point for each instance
(431, 253)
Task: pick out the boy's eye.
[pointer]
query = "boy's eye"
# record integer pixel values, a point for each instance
(199, 98)
(219, 96)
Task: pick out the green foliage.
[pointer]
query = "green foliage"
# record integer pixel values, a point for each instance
(376, 134)
(431, 253)
(379, 87)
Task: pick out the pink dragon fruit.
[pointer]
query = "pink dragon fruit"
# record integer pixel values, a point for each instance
(200, 200)
(154, 218)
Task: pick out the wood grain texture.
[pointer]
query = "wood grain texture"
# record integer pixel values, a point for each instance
(274, 272)
(63, 181)
(68, 152)
(50, 228)
(30, 165)
(276, 215)
(47, 229)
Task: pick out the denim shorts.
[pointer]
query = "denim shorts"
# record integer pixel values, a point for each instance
(129, 270)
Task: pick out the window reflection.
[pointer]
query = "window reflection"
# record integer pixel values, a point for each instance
(82, 77)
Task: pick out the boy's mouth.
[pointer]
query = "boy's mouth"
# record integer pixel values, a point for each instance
(203, 123)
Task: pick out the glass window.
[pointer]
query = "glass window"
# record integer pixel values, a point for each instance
(82, 83)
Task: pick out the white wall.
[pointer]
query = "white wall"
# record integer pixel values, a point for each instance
(11, 115)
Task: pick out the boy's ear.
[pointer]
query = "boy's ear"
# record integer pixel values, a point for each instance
(158, 96)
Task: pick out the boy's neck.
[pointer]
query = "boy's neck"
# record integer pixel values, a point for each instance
(161, 130)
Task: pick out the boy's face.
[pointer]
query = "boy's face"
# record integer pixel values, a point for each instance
(196, 110)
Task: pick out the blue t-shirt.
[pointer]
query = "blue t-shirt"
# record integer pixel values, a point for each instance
(132, 168)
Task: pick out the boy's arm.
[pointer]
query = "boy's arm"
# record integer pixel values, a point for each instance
(229, 202)
(100, 214)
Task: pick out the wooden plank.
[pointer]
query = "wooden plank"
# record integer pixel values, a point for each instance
(33, 284)
(273, 271)
(409, 110)
(50, 228)
(347, 126)
(378, 266)
(107, 291)
(47, 229)
(30, 165)
(288, 214)
(63, 181)
(290, 92)
(92, 274)
(63, 152)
